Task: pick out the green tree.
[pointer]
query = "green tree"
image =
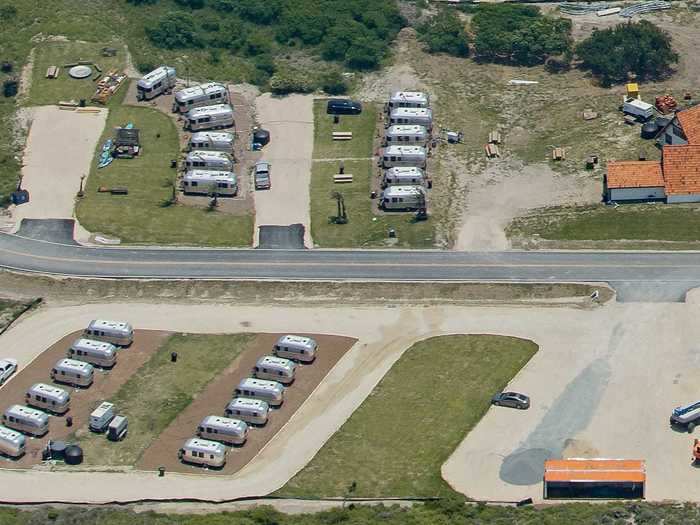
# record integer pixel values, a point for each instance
(444, 33)
(192, 4)
(174, 30)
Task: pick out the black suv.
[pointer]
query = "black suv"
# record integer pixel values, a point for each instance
(342, 106)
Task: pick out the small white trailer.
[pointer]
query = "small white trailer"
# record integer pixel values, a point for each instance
(404, 198)
(637, 108)
(296, 347)
(199, 96)
(254, 411)
(409, 134)
(272, 392)
(209, 160)
(218, 116)
(394, 156)
(118, 333)
(26, 420)
(212, 141)
(412, 116)
(408, 99)
(403, 176)
(12, 443)
(48, 397)
(223, 429)
(275, 369)
(101, 417)
(97, 353)
(203, 452)
(160, 80)
(72, 372)
(206, 182)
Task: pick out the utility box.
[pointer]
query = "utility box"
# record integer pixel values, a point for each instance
(633, 90)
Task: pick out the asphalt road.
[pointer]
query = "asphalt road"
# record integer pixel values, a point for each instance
(637, 276)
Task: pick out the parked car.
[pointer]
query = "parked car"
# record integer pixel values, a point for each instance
(7, 368)
(343, 106)
(512, 400)
(261, 173)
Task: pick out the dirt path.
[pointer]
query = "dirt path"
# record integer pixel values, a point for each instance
(290, 122)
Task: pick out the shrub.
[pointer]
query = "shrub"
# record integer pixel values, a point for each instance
(173, 31)
(192, 4)
(291, 81)
(444, 33)
(333, 82)
(640, 48)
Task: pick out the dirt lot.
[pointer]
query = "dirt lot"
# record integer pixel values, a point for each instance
(213, 400)
(83, 400)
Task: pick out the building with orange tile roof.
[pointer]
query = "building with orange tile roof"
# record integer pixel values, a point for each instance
(684, 128)
(681, 171)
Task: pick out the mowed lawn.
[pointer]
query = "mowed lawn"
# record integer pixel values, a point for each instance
(45, 91)
(143, 216)
(396, 442)
(362, 127)
(160, 390)
(364, 228)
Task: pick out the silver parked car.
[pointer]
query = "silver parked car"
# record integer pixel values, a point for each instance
(7, 368)
(512, 400)
(261, 174)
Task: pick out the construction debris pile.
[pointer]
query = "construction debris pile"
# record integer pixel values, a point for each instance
(666, 104)
(108, 86)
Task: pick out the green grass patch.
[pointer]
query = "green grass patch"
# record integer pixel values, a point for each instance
(142, 216)
(154, 396)
(362, 127)
(45, 91)
(364, 227)
(397, 441)
(11, 310)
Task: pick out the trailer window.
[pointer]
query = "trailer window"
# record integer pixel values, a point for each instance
(193, 183)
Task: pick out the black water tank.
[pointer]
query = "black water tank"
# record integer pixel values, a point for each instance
(58, 449)
(649, 130)
(261, 136)
(74, 455)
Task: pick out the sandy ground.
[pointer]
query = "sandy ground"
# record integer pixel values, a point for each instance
(59, 150)
(589, 361)
(290, 122)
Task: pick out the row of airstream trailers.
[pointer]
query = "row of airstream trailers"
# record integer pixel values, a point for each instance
(251, 404)
(98, 347)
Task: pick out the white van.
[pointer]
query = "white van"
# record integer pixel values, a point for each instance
(406, 134)
(412, 116)
(223, 429)
(209, 160)
(253, 411)
(270, 391)
(116, 332)
(275, 369)
(198, 96)
(209, 117)
(403, 198)
(12, 443)
(296, 347)
(212, 141)
(26, 420)
(203, 452)
(160, 80)
(408, 99)
(403, 176)
(48, 397)
(101, 417)
(404, 156)
(98, 353)
(72, 372)
(203, 182)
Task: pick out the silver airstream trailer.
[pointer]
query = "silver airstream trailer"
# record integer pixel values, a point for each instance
(48, 397)
(408, 99)
(223, 429)
(198, 96)
(98, 353)
(209, 117)
(253, 411)
(270, 391)
(209, 160)
(116, 332)
(203, 452)
(160, 80)
(275, 369)
(296, 347)
(409, 134)
(403, 198)
(403, 176)
(205, 182)
(412, 116)
(12, 443)
(72, 372)
(404, 156)
(212, 141)
(26, 420)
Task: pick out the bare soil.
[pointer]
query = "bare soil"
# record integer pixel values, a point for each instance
(213, 400)
(83, 400)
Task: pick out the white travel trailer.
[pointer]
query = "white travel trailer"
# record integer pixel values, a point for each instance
(98, 353)
(404, 156)
(116, 332)
(406, 134)
(253, 411)
(117, 428)
(203, 452)
(160, 80)
(212, 141)
(403, 176)
(12, 443)
(26, 420)
(412, 116)
(408, 99)
(296, 347)
(275, 369)
(209, 117)
(72, 372)
(209, 160)
(48, 397)
(204, 182)
(198, 96)
(101, 417)
(270, 391)
(403, 198)
(223, 429)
